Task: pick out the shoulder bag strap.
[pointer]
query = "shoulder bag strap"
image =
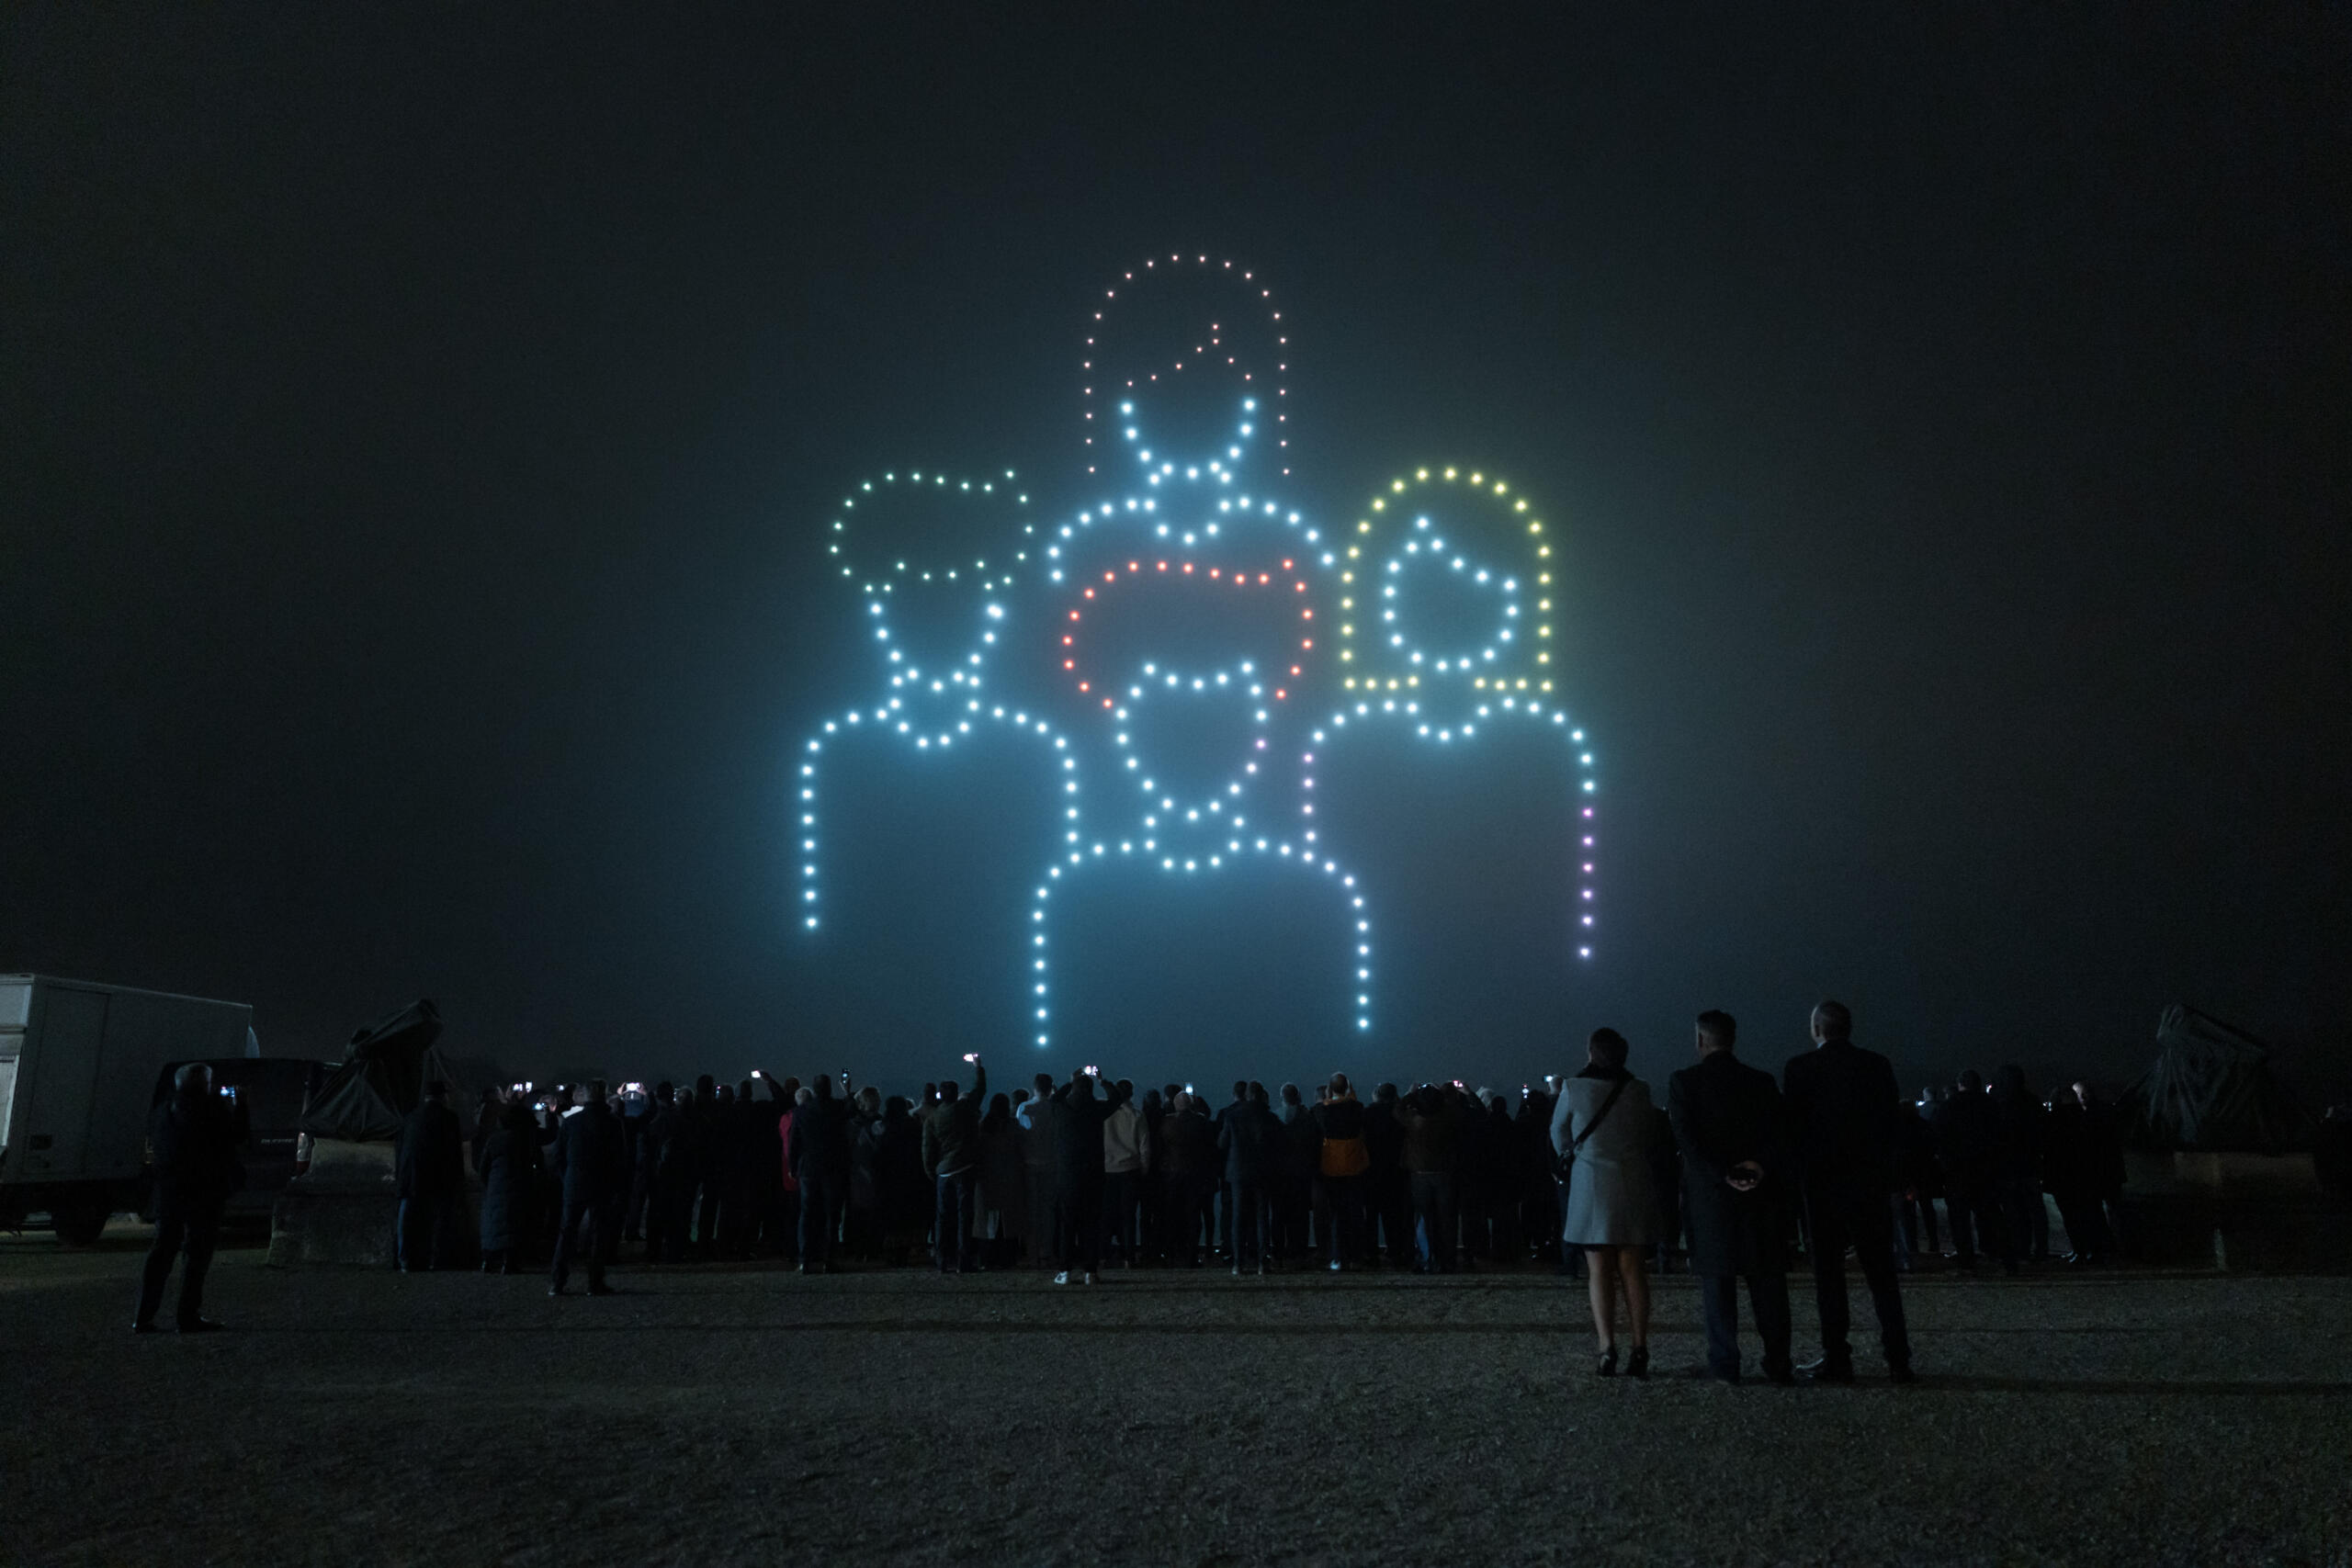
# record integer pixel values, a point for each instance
(1599, 1116)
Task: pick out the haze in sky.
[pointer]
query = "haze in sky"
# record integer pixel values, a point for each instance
(426, 430)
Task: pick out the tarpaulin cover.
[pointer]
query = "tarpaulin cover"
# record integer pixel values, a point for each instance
(382, 1076)
(2211, 1090)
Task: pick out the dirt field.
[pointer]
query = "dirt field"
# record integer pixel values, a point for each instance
(746, 1414)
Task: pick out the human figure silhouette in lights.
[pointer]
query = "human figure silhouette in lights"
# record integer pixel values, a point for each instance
(1198, 589)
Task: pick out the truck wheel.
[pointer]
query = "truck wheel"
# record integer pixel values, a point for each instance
(80, 1220)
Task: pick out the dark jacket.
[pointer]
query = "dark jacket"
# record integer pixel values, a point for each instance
(1965, 1133)
(1383, 1138)
(1303, 1148)
(1252, 1141)
(897, 1165)
(820, 1134)
(1186, 1149)
(1078, 1138)
(2017, 1122)
(195, 1139)
(1432, 1137)
(431, 1160)
(1843, 1109)
(951, 1133)
(1724, 1112)
(592, 1155)
(510, 1169)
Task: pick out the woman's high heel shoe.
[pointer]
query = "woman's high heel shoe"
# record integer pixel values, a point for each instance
(1607, 1368)
(1638, 1364)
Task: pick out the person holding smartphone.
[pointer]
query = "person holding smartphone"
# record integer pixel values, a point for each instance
(195, 1134)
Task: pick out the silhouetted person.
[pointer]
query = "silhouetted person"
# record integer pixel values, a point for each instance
(1035, 1117)
(1919, 1182)
(1845, 1121)
(908, 1196)
(509, 1167)
(861, 1225)
(645, 1154)
(673, 1180)
(1343, 1161)
(1429, 1140)
(706, 1130)
(1185, 1151)
(1251, 1141)
(1388, 1190)
(1127, 1154)
(1965, 1133)
(195, 1139)
(2017, 1167)
(660, 1126)
(429, 1176)
(1294, 1184)
(951, 1152)
(591, 1157)
(1079, 1115)
(1003, 1205)
(820, 1164)
(2070, 1171)
(1735, 1165)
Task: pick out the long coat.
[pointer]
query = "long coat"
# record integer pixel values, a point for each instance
(431, 1158)
(1612, 1200)
(1724, 1111)
(510, 1187)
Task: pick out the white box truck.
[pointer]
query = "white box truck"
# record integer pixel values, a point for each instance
(78, 1069)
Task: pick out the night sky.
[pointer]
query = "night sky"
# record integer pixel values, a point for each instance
(424, 425)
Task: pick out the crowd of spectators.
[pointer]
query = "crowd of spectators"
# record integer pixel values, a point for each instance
(1589, 1174)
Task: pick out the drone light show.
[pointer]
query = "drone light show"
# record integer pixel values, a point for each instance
(1193, 646)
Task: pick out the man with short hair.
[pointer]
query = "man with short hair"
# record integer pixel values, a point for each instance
(951, 1152)
(429, 1176)
(1342, 1161)
(591, 1157)
(1845, 1123)
(1728, 1121)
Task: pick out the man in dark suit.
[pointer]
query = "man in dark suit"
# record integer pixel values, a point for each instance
(429, 1177)
(592, 1155)
(1844, 1121)
(1736, 1164)
(195, 1140)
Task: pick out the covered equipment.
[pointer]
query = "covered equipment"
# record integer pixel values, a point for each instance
(2211, 1090)
(381, 1080)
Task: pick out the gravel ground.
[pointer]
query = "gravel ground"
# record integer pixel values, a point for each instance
(721, 1415)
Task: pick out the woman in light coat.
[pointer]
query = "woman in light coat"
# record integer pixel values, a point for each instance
(1605, 1115)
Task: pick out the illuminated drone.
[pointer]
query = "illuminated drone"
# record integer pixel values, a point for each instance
(1293, 637)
